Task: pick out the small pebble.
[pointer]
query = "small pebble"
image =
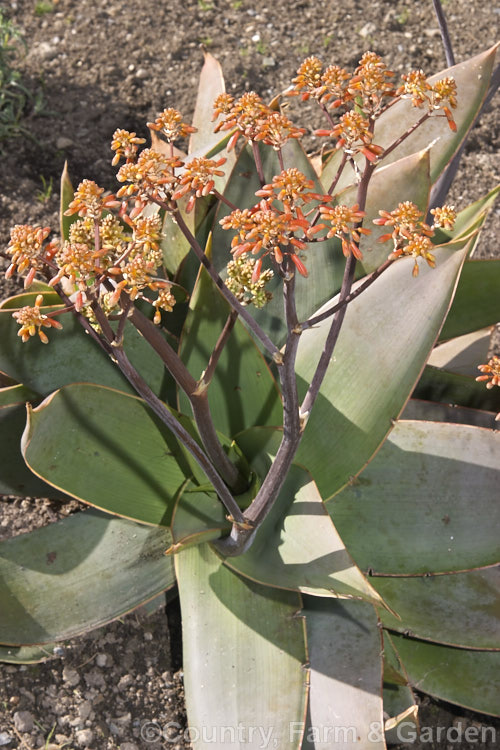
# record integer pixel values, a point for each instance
(23, 721)
(71, 676)
(84, 737)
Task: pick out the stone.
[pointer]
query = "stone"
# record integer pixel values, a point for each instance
(71, 676)
(84, 737)
(23, 721)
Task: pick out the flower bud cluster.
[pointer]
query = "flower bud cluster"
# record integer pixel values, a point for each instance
(247, 286)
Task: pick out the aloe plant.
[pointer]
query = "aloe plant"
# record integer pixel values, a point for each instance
(296, 471)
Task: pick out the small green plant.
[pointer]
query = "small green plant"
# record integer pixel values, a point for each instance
(261, 47)
(45, 193)
(42, 7)
(227, 359)
(14, 96)
(403, 17)
(205, 5)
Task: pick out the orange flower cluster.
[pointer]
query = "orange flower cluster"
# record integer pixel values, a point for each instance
(169, 124)
(276, 230)
(125, 144)
(198, 179)
(90, 201)
(26, 249)
(32, 320)
(440, 95)
(411, 236)
(364, 96)
(253, 119)
(491, 373)
(344, 223)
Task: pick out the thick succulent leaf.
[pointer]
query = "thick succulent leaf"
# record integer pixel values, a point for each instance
(197, 517)
(174, 244)
(462, 676)
(16, 394)
(50, 298)
(70, 356)
(463, 354)
(324, 260)
(408, 177)
(211, 84)
(427, 503)
(461, 609)
(381, 343)
(15, 477)
(461, 390)
(243, 392)
(431, 411)
(26, 654)
(472, 78)
(67, 195)
(399, 701)
(298, 548)
(345, 655)
(99, 567)
(244, 655)
(476, 301)
(107, 449)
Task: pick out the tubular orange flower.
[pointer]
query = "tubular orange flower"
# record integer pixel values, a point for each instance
(491, 373)
(198, 179)
(343, 221)
(169, 124)
(444, 216)
(418, 246)
(277, 129)
(125, 144)
(89, 201)
(309, 78)
(26, 249)
(292, 188)
(32, 321)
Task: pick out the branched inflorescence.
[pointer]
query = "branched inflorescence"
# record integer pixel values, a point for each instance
(113, 256)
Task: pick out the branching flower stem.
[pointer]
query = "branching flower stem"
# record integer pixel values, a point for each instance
(116, 351)
(159, 408)
(258, 163)
(198, 398)
(241, 538)
(338, 319)
(207, 376)
(361, 288)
